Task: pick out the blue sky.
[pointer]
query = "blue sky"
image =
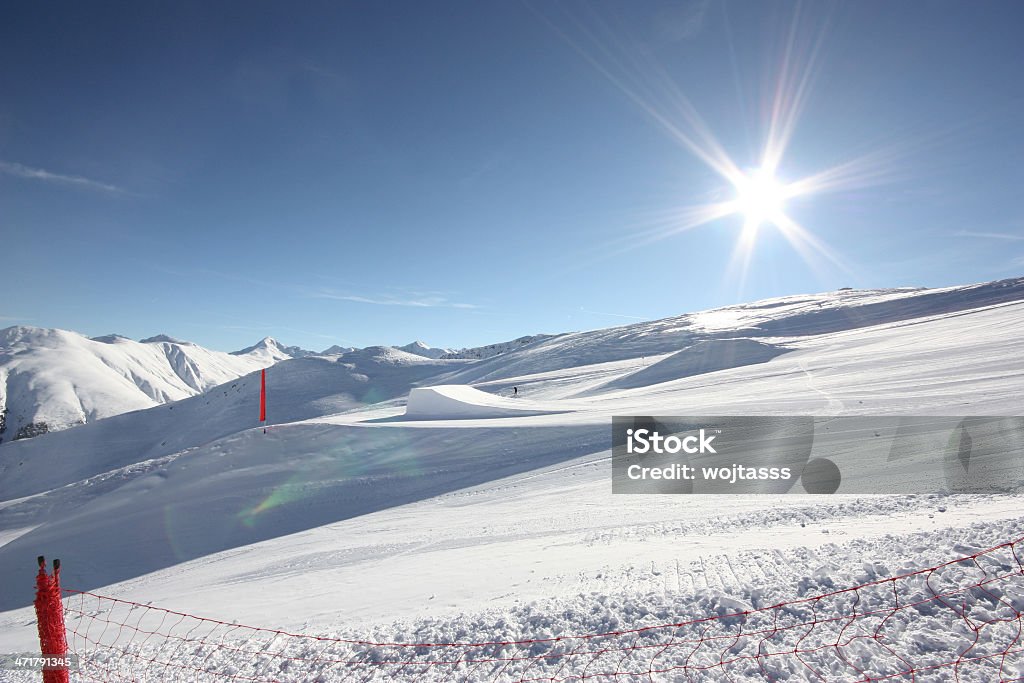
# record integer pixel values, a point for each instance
(468, 172)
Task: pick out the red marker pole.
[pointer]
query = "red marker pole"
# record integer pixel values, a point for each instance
(263, 398)
(53, 643)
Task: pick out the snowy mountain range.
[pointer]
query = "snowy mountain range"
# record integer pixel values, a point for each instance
(54, 379)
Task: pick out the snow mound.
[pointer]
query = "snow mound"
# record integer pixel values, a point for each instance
(703, 357)
(454, 401)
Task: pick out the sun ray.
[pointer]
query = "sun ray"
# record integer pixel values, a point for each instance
(793, 85)
(699, 141)
(759, 195)
(808, 246)
(867, 170)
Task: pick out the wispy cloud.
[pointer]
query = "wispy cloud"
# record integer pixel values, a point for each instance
(413, 299)
(22, 171)
(1008, 236)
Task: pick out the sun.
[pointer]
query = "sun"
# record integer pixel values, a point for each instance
(760, 198)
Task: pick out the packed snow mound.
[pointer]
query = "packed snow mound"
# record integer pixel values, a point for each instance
(54, 379)
(455, 401)
(703, 357)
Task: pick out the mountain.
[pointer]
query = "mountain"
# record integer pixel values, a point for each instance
(270, 349)
(481, 352)
(53, 379)
(334, 350)
(420, 349)
(151, 340)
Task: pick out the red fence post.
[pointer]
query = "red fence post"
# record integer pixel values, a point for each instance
(53, 641)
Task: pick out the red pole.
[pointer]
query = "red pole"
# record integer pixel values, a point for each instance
(53, 641)
(263, 395)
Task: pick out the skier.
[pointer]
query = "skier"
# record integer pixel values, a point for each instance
(515, 391)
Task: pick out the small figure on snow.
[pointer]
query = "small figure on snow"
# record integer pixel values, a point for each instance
(515, 391)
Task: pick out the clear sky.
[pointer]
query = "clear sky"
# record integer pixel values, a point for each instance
(468, 172)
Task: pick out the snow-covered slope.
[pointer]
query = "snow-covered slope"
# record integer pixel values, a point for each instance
(54, 379)
(481, 352)
(708, 355)
(783, 317)
(297, 389)
(462, 517)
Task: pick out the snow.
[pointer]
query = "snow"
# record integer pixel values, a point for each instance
(400, 498)
(335, 350)
(701, 358)
(64, 379)
(490, 350)
(455, 401)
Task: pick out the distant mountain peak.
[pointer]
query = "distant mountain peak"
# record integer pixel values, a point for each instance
(274, 349)
(111, 339)
(418, 348)
(335, 349)
(265, 343)
(162, 338)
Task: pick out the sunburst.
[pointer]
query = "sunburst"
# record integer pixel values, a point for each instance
(758, 196)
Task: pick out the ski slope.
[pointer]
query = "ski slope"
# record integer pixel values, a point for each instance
(409, 497)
